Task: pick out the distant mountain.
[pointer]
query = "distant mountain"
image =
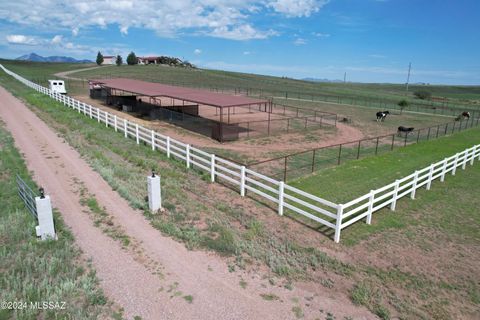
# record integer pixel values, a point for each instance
(36, 58)
(320, 80)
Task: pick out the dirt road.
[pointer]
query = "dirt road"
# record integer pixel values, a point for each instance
(152, 280)
(66, 74)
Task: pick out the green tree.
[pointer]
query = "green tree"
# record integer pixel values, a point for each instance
(403, 104)
(132, 58)
(99, 58)
(119, 60)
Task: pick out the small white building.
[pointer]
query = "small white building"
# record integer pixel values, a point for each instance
(109, 59)
(57, 86)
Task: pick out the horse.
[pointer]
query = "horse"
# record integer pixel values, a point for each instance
(404, 129)
(466, 115)
(381, 115)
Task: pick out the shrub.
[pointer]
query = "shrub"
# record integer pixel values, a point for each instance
(423, 94)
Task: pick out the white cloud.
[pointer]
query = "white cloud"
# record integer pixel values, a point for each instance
(57, 40)
(228, 19)
(321, 34)
(197, 51)
(297, 8)
(246, 53)
(21, 39)
(299, 42)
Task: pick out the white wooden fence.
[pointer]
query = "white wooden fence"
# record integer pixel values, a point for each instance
(330, 214)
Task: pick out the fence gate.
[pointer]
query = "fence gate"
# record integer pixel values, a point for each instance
(28, 196)
(41, 209)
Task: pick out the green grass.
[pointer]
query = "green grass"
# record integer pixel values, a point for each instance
(35, 271)
(336, 184)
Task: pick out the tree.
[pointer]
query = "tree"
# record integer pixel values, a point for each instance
(119, 60)
(423, 94)
(99, 58)
(132, 59)
(403, 104)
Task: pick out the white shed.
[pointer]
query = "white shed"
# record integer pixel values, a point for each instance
(57, 86)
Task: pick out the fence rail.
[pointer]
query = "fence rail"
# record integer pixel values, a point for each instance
(27, 195)
(285, 197)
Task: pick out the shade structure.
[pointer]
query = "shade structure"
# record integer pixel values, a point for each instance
(200, 96)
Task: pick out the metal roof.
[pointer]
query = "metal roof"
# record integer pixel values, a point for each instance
(200, 96)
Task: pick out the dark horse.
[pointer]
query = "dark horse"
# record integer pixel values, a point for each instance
(466, 115)
(381, 115)
(406, 130)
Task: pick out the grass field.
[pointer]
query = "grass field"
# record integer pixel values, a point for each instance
(36, 271)
(418, 263)
(469, 96)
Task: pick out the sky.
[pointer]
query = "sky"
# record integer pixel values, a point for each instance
(369, 40)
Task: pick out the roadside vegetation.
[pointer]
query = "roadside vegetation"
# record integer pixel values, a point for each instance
(37, 271)
(374, 265)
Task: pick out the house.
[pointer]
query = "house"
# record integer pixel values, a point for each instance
(109, 59)
(148, 60)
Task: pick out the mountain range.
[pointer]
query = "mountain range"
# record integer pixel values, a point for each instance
(37, 58)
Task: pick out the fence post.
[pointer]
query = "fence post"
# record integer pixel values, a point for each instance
(46, 227)
(154, 192)
(153, 140)
(370, 206)
(187, 155)
(414, 186)
(464, 161)
(168, 147)
(98, 115)
(106, 119)
(125, 128)
(115, 122)
(430, 175)
(395, 194)
(393, 141)
(444, 170)
(242, 181)
(358, 151)
(455, 163)
(376, 147)
(212, 168)
(90, 111)
(136, 133)
(338, 224)
(281, 187)
(339, 154)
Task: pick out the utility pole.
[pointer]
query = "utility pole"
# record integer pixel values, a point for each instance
(408, 77)
(345, 77)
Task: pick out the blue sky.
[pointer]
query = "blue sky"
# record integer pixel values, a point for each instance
(370, 40)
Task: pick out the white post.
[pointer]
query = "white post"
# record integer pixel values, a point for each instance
(168, 147)
(473, 155)
(338, 224)
(212, 168)
(136, 133)
(478, 147)
(187, 155)
(90, 110)
(115, 122)
(98, 115)
(444, 170)
(154, 193)
(281, 188)
(370, 206)
(153, 140)
(395, 194)
(464, 163)
(414, 186)
(242, 181)
(106, 119)
(125, 128)
(45, 228)
(455, 163)
(430, 175)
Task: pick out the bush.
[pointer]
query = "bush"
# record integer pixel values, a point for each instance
(423, 94)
